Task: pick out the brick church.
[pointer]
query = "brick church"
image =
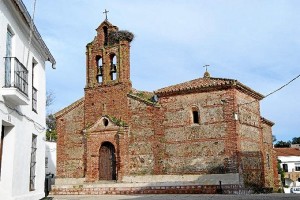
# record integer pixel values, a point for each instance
(207, 127)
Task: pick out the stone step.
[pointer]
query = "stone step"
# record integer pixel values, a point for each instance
(134, 188)
(150, 184)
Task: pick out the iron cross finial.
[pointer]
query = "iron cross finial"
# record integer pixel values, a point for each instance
(105, 12)
(206, 66)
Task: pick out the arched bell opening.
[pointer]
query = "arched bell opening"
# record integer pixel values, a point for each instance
(99, 65)
(105, 32)
(113, 67)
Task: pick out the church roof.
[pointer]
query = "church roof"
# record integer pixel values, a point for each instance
(69, 108)
(266, 121)
(206, 84)
(287, 151)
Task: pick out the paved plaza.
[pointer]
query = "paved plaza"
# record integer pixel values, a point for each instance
(181, 197)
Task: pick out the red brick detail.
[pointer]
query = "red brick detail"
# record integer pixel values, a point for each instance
(161, 138)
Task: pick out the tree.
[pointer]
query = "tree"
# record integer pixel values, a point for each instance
(51, 134)
(281, 172)
(282, 144)
(296, 140)
(49, 98)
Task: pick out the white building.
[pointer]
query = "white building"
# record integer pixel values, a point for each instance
(50, 158)
(290, 163)
(23, 54)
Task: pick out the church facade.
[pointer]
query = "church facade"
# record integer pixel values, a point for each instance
(207, 126)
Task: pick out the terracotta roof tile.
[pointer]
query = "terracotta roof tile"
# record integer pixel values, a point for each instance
(68, 108)
(266, 121)
(203, 84)
(287, 151)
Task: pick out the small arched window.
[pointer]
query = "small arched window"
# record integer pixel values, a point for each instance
(196, 115)
(105, 122)
(113, 67)
(105, 32)
(99, 69)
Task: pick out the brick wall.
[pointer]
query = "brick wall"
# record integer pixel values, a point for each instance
(70, 144)
(250, 140)
(204, 147)
(270, 161)
(161, 138)
(142, 141)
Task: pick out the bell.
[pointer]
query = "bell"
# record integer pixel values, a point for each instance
(99, 71)
(113, 68)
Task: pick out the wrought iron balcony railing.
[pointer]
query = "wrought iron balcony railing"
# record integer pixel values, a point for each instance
(16, 75)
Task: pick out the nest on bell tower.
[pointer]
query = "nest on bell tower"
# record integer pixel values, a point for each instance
(117, 36)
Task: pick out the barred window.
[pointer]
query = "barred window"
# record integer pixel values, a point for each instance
(297, 167)
(34, 90)
(33, 163)
(34, 99)
(285, 167)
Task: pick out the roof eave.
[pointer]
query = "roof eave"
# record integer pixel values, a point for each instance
(67, 109)
(249, 91)
(266, 121)
(49, 57)
(191, 90)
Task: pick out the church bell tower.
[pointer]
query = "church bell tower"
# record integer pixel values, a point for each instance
(108, 55)
(107, 73)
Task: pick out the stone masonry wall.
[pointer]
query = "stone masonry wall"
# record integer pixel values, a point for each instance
(270, 161)
(70, 147)
(142, 139)
(250, 139)
(206, 147)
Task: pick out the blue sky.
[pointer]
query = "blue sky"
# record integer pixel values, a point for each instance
(256, 42)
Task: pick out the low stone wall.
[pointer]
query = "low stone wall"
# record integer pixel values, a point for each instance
(69, 181)
(130, 189)
(123, 190)
(152, 184)
(205, 179)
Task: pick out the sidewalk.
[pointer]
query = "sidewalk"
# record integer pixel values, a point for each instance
(178, 197)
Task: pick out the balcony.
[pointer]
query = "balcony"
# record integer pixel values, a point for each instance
(294, 175)
(16, 82)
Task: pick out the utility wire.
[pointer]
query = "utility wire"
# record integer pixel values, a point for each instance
(282, 86)
(37, 126)
(272, 92)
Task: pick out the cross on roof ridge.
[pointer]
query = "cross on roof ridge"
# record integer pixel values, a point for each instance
(105, 12)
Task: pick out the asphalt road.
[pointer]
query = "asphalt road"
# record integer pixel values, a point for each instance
(180, 197)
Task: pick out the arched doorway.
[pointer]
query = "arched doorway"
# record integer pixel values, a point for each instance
(107, 162)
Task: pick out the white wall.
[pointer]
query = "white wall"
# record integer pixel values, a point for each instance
(15, 172)
(51, 156)
(290, 161)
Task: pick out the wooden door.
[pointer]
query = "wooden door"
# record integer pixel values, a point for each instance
(107, 162)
